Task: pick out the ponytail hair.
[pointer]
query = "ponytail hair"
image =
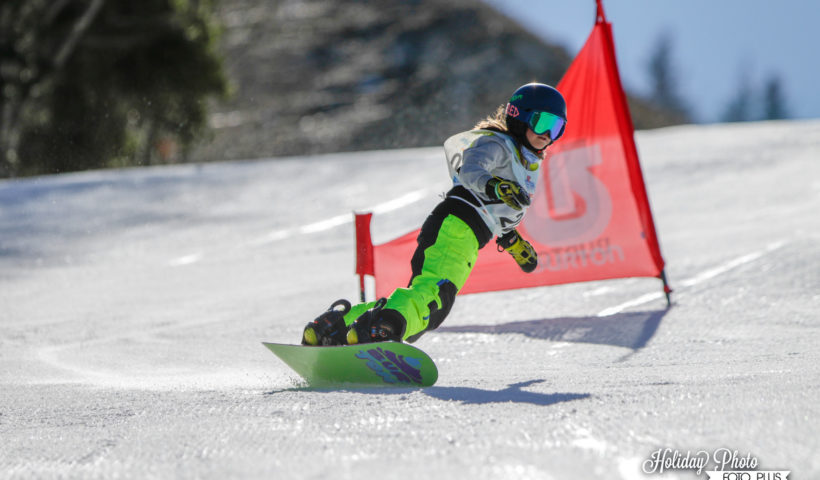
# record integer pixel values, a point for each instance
(496, 122)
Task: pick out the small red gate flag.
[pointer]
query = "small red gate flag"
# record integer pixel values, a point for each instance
(364, 246)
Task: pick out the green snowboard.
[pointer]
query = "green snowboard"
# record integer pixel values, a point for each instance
(383, 364)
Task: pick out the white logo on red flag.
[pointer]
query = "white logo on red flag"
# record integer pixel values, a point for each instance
(577, 206)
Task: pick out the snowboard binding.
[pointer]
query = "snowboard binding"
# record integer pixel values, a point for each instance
(328, 328)
(377, 325)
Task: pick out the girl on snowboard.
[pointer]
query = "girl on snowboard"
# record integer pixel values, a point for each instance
(491, 192)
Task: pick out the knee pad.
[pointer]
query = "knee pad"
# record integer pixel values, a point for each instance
(447, 296)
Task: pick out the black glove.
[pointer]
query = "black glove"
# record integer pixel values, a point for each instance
(521, 250)
(508, 192)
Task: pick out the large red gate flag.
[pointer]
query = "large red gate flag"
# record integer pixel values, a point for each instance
(590, 217)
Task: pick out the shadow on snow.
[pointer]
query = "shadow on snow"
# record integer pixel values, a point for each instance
(631, 330)
(514, 393)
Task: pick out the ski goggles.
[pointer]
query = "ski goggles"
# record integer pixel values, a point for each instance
(545, 122)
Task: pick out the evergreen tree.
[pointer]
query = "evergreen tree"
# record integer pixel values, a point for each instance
(664, 78)
(741, 106)
(96, 83)
(750, 103)
(774, 103)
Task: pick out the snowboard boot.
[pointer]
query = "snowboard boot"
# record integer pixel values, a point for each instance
(329, 328)
(377, 325)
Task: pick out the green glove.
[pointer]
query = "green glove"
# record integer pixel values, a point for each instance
(508, 192)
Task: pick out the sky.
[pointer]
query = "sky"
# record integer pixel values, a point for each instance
(715, 43)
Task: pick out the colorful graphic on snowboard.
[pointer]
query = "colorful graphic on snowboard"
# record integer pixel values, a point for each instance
(386, 364)
(391, 367)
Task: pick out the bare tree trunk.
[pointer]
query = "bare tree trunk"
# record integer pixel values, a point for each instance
(152, 135)
(10, 132)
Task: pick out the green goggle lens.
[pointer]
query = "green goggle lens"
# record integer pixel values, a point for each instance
(544, 122)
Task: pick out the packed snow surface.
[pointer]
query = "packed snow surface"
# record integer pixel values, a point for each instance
(133, 304)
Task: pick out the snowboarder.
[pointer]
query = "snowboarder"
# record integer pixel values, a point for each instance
(491, 168)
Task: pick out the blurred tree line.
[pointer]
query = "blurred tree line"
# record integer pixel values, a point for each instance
(750, 104)
(746, 104)
(100, 83)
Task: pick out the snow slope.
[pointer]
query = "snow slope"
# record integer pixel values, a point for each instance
(133, 304)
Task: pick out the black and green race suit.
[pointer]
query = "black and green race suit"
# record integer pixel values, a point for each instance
(463, 223)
